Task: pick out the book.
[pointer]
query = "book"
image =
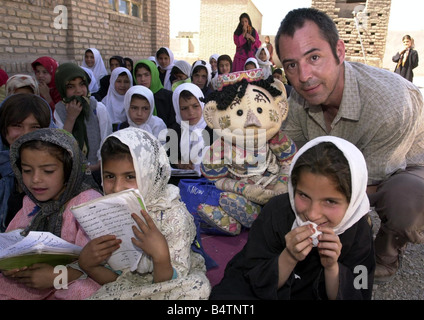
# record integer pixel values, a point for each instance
(17, 251)
(111, 214)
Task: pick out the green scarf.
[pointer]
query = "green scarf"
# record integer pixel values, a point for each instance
(155, 84)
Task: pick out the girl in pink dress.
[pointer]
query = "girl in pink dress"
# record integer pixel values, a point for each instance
(247, 41)
(50, 168)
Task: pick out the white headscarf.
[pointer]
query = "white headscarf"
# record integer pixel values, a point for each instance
(153, 59)
(359, 204)
(189, 131)
(153, 124)
(206, 65)
(265, 65)
(252, 60)
(98, 68)
(153, 171)
(167, 82)
(184, 66)
(214, 56)
(93, 87)
(114, 101)
(152, 168)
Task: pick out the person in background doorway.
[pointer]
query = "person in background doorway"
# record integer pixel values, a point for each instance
(406, 59)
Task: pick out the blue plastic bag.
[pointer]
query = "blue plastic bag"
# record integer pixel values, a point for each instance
(196, 191)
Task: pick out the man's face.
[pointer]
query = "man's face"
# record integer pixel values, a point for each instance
(311, 67)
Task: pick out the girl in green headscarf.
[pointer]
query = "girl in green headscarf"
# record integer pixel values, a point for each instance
(85, 117)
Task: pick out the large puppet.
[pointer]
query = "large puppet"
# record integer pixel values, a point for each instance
(251, 159)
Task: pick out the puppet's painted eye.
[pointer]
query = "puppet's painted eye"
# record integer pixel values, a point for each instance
(240, 112)
(259, 110)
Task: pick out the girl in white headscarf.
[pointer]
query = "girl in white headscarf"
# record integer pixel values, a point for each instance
(213, 61)
(187, 100)
(168, 231)
(327, 193)
(120, 82)
(263, 58)
(180, 72)
(251, 63)
(139, 104)
(165, 61)
(201, 75)
(93, 60)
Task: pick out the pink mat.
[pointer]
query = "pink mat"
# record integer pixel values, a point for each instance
(221, 249)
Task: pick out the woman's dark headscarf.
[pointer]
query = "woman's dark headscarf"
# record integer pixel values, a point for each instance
(48, 214)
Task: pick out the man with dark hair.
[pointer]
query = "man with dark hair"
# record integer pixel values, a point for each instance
(378, 111)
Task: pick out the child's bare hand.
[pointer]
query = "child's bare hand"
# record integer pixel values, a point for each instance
(44, 89)
(97, 251)
(73, 109)
(329, 247)
(10, 273)
(38, 276)
(149, 238)
(299, 243)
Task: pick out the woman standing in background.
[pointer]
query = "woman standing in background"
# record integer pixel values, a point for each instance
(247, 41)
(407, 59)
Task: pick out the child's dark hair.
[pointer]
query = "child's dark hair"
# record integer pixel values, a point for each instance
(120, 60)
(225, 97)
(202, 65)
(162, 51)
(130, 61)
(250, 63)
(20, 106)
(175, 70)
(123, 73)
(114, 149)
(327, 160)
(278, 70)
(141, 65)
(56, 151)
(186, 95)
(138, 96)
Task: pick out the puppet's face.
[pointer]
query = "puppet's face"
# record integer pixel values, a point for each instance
(257, 115)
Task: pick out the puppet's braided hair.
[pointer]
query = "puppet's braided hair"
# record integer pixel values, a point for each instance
(225, 97)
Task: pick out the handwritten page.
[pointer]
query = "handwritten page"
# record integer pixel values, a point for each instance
(111, 214)
(9, 238)
(13, 244)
